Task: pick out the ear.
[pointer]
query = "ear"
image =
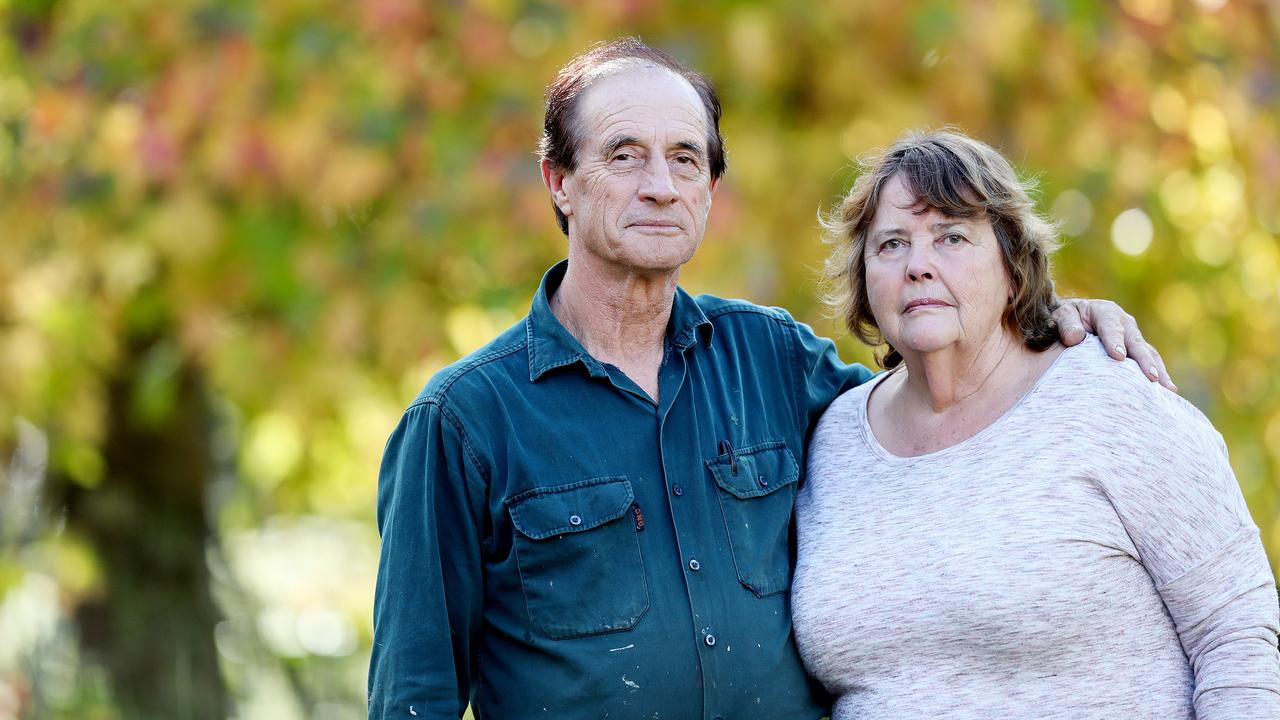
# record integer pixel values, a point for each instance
(553, 177)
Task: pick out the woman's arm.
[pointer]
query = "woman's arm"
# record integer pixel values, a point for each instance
(1175, 492)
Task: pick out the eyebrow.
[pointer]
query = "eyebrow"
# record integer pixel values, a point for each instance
(943, 225)
(692, 147)
(620, 141)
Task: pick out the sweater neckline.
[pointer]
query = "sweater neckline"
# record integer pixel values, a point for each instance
(873, 443)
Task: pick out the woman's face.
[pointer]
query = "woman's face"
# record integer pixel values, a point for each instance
(934, 281)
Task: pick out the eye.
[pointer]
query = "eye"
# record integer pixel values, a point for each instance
(623, 156)
(891, 244)
(953, 239)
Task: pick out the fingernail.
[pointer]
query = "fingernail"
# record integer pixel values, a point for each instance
(1120, 349)
(1154, 373)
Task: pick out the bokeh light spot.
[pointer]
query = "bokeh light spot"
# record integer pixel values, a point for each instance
(1155, 12)
(1073, 211)
(1209, 131)
(1213, 245)
(531, 37)
(1180, 306)
(1180, 196)
(272, 449)
(1132, 232)
(1169, 109)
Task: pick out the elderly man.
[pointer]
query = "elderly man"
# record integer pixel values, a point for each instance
(591, 515)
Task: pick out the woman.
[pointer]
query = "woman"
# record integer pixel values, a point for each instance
(999, 527)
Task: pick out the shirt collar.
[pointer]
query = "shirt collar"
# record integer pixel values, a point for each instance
(552, 346)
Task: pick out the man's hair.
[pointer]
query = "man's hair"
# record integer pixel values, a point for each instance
(960, 177)
(560, 137)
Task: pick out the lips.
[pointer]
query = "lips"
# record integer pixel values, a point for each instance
(655, 224)
(925, 303)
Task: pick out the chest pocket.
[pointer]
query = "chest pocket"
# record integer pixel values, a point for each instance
(757, 496)
(579, 557)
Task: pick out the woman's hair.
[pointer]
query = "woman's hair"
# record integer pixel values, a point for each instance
(959, 177)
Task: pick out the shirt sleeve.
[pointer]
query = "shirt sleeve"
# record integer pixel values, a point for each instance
(428, 598)
(820, 374)
(1177, 497)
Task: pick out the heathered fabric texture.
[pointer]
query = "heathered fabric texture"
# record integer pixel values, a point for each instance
(1087, 555)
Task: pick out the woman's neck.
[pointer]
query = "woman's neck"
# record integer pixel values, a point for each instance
(942, 380)
(943, 398)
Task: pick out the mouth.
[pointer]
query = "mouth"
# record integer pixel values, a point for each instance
(655, 225)
(925, 303)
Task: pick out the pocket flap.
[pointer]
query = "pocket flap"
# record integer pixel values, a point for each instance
(543, 512)
(761, 469)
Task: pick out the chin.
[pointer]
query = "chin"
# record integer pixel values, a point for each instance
(925, 341)
(657, 262)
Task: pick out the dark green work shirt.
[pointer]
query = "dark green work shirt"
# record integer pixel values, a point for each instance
(557, 545)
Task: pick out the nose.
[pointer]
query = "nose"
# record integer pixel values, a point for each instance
(920, 259)
(658, 185)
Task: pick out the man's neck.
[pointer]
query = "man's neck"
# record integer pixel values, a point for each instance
(619, 317)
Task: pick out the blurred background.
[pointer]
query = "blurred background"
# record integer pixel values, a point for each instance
(237, 237)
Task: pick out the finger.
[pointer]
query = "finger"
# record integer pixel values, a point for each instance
(1070, 330)
(1084, 311)
(1110, 328)
(1146, 356)
(1165, 379)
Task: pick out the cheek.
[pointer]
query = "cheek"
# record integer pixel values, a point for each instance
(983, 288)
(882, 291)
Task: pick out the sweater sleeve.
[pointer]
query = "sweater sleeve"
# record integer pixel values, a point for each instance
(1172, 486)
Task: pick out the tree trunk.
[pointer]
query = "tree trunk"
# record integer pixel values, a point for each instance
(152, 628)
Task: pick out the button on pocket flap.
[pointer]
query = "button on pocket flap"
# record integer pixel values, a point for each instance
(761, 469)
(541, 513)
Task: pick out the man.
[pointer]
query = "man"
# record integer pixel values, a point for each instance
(591, 515)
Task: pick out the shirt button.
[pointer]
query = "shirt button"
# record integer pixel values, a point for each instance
(762, 481)
(575, 520)
(710, 640)
(677, 490)
(694, 565)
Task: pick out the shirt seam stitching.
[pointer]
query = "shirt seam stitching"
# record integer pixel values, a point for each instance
(456, 374)
(453, 420)
(1244, 531)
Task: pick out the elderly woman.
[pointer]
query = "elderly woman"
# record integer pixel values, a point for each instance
(999, 527)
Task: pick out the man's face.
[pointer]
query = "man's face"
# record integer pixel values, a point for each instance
(639, 197)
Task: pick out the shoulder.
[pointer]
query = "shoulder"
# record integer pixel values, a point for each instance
(733, 311)
(746, 321)
(1089, 371)
(842, 418)
(1122, 405)
(472, 378)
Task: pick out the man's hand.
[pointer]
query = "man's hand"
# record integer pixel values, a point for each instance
(1118, 330)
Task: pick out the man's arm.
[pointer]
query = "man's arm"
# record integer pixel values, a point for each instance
(819, 373)
(428, 599)
(1117, 329)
